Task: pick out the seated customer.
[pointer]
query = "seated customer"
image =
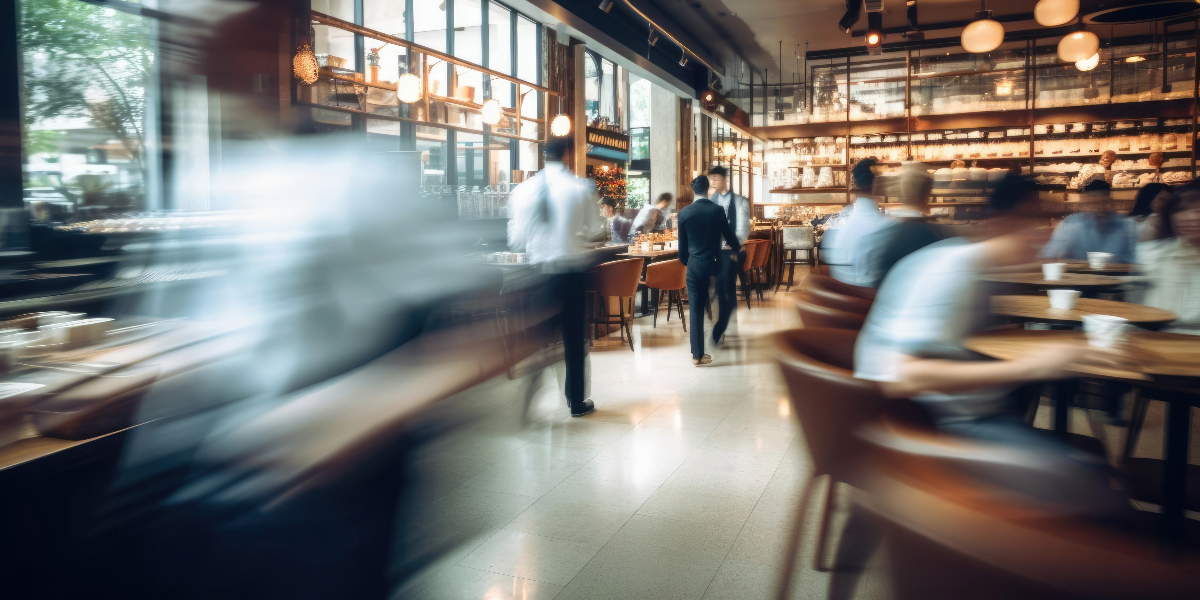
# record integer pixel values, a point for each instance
(653, 217)
(845, 246)
(620, 228)
(1097, 230)
(909, 231)
(1147, 210)
(914, 344)
(1172, 264)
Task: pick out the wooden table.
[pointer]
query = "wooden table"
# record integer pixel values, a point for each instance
(1069, 280)
(1168, 371)
(1037, 308)
(1111, 269)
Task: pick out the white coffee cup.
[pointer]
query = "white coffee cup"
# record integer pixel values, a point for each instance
(1106, 331)
(1053, 271)
(1099, 260)
(1063, 299)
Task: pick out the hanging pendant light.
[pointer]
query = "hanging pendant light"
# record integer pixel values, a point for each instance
(730, 149)
(1078, 46)
(491, 112)
(983, 35)
(408, 88)
(1088, 64)
(1052, 13)
(560, 126)
(304, 65)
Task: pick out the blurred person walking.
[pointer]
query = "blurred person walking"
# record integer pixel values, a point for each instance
(848, 247)
(1098, 230)
(552, 214)
(907, 230)
(702, 225)
(653, 218)
(737, 214)
(1172, 264)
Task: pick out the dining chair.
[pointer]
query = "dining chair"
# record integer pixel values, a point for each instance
(762, 252)
(814, 292)
(813, 314)
(616, 279)
(747, 266)
(833, 285)
(796, 239)
(671, 277)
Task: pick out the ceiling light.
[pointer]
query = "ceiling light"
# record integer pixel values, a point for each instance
(491, 111)
(984, 35)
(560, 126)
(408, 88)
(874, 29)
(1077, 46)
(1052, 13)
(1088, 64)
(853, 10)
(730, 149)
(1004, 88)
(707, 96)
(653, 36)
(606, 5)
(1135, 59)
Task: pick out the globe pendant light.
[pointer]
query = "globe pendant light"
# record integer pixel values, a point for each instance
(983, 35)
(1078, 46)
(491, 111)
(560, 126)
(1052, 13)
(1088, 64)
(408, 88)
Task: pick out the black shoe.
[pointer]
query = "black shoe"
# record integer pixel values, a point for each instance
(582, 409)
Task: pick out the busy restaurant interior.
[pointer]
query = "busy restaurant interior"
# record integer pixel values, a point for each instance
(599, 299)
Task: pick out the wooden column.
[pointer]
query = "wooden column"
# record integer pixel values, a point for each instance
(685, 196)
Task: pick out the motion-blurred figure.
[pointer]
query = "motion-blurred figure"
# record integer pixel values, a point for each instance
(908, 231)
(1147, 210)
(1172, 264)
(737, 212)
(1098, 230)
(848, 246)
(653, 218)
(702, 225)
(548, 213)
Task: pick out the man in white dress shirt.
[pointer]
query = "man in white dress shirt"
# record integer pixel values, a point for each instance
(737, 210)
(853, 241)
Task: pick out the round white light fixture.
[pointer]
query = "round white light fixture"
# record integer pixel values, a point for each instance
(730, 149)
(982, 36)
(1077, 46)
(491, 111)
(408, 88)
(560, 126)
(1052, 13)
(1088, 64)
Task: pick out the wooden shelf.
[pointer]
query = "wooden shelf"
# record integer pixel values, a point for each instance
(331, 75)
(825, 190)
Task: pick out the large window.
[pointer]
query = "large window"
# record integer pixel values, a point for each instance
(86, 72)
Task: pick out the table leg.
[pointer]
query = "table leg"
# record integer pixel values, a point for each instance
(1064, 397)
(1174, 482)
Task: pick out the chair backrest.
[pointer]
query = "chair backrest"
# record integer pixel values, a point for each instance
(751, 248)
(666, 275)
(799, 238)
(826, 398)
(617, 278)
(831, 299)
(815, 315)
(761, 252)
(829, 283)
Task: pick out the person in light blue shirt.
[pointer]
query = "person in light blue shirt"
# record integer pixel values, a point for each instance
(850, 245)
(1101, 230)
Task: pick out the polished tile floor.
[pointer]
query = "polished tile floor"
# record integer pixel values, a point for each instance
(682, 484)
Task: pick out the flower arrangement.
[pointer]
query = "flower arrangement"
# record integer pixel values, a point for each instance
(610, 182)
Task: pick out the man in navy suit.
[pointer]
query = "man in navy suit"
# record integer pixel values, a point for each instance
(701, 226)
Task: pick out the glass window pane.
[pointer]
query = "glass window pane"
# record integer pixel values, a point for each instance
(342, 9)
(429, 23)
(528, 48)
(431, 143)
(639, 101)
(500, 51)
(384, 16)
(591, 87)
(607, 90)
(961, 83)
(470, 160)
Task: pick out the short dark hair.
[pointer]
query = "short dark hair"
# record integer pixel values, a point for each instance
(719, 170)
(1096, 185)
(1145, 198)
(862, 175)
(1010, 193)
(700, 185)
(608, 201)
(1185, 194)
(557, 148)
(664, 197)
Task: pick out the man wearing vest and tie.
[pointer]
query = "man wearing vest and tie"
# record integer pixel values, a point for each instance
(737, 210)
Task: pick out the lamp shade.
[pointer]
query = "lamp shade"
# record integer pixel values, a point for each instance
(304, 65)
(1077, 46)
(408, 88)
(730, 149)
(1052, 13)
(560, 126)
(1088, 64)
(982, 36)
(491, 111)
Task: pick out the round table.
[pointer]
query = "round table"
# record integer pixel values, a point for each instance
(1110, 269)
(1168, 371)
(1037, 308)
(1069, 280)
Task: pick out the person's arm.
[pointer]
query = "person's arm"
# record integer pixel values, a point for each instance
(731, 237)
(683, 241)
(1060, 241)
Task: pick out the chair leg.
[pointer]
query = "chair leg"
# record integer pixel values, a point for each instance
(1137, 419)
(682, 318)
(823, 530)
(793, 547)
(656, 313)
(629, 324)
(746, 288)
(670, 301)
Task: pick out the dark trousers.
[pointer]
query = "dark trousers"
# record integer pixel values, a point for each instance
(727, 275)
(572, 289)
(697, 285)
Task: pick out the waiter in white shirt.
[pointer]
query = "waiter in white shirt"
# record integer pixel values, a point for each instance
(551, 217)
(737, 210)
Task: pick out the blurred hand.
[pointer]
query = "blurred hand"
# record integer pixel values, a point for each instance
(1052, 361)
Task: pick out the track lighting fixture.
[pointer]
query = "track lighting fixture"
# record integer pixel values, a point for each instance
(606, 5)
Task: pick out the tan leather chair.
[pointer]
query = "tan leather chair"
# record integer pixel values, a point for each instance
(818, 294)
(616, 279)
(758, 272)
(830, 404)
(813, 314)
(795, 240)
(671, 277)
(833, 285)
(751, 248)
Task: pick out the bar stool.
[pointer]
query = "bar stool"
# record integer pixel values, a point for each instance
(618, 279)
(797, 239)
(758, 273)
(751, 248)
(670, 277)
